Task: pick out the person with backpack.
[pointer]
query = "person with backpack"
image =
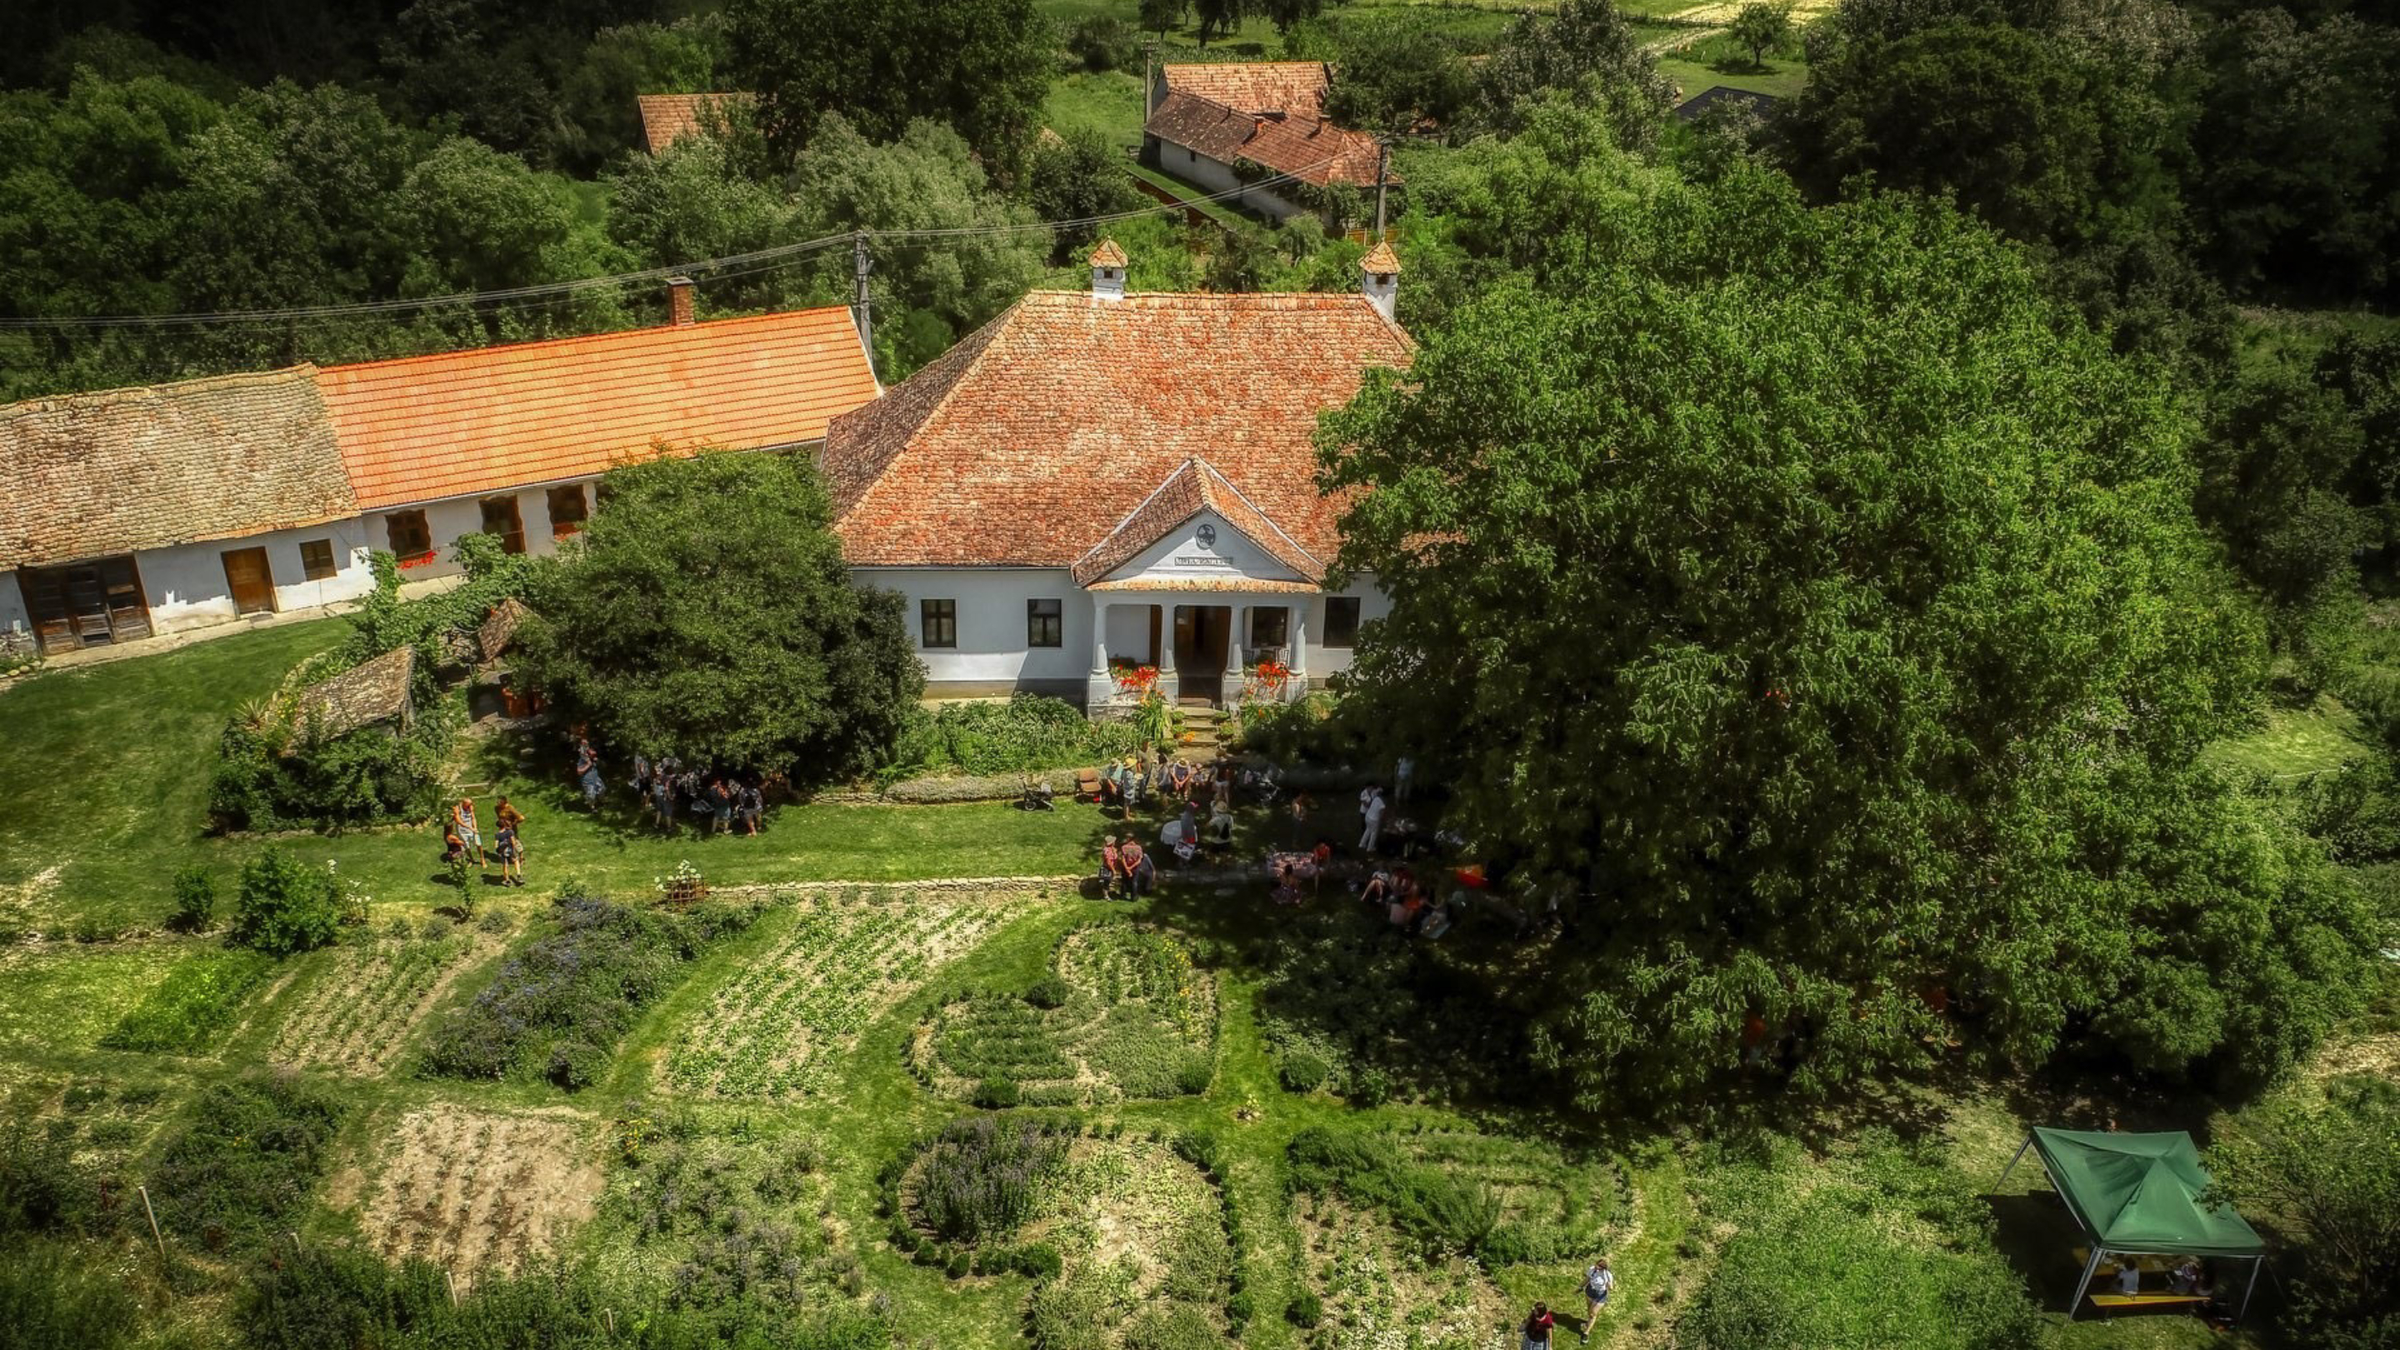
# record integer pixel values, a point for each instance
(1598, 1283)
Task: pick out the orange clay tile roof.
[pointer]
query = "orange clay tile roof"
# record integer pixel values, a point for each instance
(1295, 87)
(1381, 258)
(1108, 254)
(422, 428)
(86, 475)
(1031, 442)
(1311, 149)
(1195, 487)
(668, 118)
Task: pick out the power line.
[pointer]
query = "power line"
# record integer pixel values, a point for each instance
(739, 264)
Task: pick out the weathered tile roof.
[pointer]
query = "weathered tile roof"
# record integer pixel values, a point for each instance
(1195, 487)
(499, 628)
(371, 692)
(88, 475)
(1295, 87)
(1309, 148)
(1381, 258)
(1033, 441)
(1108, 254)
(422, 428)
(668, 118)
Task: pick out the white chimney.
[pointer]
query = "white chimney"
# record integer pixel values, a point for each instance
(1108, 271)
(1379, 277)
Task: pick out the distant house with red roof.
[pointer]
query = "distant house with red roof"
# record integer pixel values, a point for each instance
(1230, 126)
(127, 512)
(1098, 479)
(668, 118)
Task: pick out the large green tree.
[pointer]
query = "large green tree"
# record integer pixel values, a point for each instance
(1587, 49)
(980, 67)
(707, 614)
(1814, 591)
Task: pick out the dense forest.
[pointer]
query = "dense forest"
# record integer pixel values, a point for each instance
(2017, 410)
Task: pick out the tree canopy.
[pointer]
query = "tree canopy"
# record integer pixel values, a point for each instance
(707, 614)
(1826, 599)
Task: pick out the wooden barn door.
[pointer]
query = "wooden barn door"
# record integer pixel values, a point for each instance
(252, 584)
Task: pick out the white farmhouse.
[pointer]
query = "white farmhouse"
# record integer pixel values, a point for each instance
(1227, 126)
(1100, 480)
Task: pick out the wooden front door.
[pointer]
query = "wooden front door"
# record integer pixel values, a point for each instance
(85, 604)
(252, 584)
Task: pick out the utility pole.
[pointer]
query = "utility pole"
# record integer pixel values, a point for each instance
(1149, 80)
(1383, 166)
(860, 307)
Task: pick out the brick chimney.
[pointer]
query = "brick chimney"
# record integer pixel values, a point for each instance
(1379, 277)
(679, 301)
(1108, 271)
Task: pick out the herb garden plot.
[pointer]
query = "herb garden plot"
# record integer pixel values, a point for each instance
(359, 1011)
(1124, 1015)
(476, 1191)
(1362, 1286)
(780, 1026)
(1126, 1237)
(1499, 1200)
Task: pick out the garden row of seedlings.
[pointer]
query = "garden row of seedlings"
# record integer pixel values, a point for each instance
(1039, 1260)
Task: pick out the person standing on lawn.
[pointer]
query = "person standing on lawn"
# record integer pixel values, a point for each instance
(587, 772)
(1373, 811)
(462, 823)
(1598, 1283)
(1538, 1326)
(512, 855)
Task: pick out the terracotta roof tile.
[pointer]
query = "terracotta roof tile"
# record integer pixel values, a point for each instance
(422, 428)
(124, 469)
(1035, 440)
(1195, 487)
(1309, 148)
(1108, 254)
(1381, 258)
(668, 118)
(1295, 87)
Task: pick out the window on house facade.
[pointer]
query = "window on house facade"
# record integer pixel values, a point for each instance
(569, 508)
(937, 623)
(316, 559)
(1269, 627)
(1045, 623)
(1341, 621)
(500, 517)
(409, 535)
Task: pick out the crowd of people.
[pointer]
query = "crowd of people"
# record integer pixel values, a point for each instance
(724, 803)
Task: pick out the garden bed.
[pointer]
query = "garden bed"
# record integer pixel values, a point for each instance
(365, 1001)
(780, 1023)
(478, 1192)
(1123, 1014)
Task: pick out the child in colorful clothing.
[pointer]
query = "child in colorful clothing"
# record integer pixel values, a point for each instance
(512, 856)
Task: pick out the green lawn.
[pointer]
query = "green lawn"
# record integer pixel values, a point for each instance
(2296, 742)
(107, 782)
(1109, 103)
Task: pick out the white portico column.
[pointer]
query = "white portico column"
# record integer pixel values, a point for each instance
(1297, 631)
(1168, 682)
(1236, 672)
(1098, 688)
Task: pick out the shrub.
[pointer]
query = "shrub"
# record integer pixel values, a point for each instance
(1370, 1088)
(1305, 1310)
(1102, 42)
(995, 1094)
(581, 985)
(42, 1188)
(1026, 733)
(1171, 1326)
(1304, 1070)
(275, 772)
(1039, 1260)
(53, 1298)
(960, 1266)
(1428, 1202)
(242, 1170)
(1048, 992)
(195, 900)
(1193, 1075)
(284, 905)
(576, 1066)
(199, 996)
(981, 1179)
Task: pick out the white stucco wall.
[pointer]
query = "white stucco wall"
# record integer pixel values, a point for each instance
(991, 652)
(1324, 660)
(459, 516)
(1215, 176)
(185, 586)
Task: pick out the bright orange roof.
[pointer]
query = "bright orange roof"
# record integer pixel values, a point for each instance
(421, 428)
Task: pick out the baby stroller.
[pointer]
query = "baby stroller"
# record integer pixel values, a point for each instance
(1264, 784)
(1036, 794)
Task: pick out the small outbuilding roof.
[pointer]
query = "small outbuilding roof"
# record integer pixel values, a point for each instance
(88, 475)
(668, 118)
(2141, 1193)
(368, 693)
(1304, 145)
(1724, 96)
(499, 628)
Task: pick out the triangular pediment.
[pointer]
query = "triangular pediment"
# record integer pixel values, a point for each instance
(1194, 527)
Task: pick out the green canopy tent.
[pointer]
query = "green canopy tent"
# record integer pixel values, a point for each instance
(2139, 1194)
